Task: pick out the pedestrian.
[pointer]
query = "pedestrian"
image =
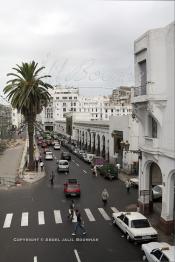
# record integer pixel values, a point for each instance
(79, 224)
(36, 164)
(128, 185)
(42, 165)
(104, 196)
(52, 176)
(71, 210)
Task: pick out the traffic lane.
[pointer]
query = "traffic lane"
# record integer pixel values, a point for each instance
(103, 242)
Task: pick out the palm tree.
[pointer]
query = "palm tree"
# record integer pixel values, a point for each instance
(28, 93)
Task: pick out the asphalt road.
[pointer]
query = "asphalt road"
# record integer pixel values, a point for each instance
(52, 242)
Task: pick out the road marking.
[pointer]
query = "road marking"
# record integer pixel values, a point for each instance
(77, 256)
(77, 164)
(35, 259)
(41, 220)
(85, 171)
(24, 219)
(89, 214)
(104, 214)
(57, 216)
(8, 220)
(115, 210)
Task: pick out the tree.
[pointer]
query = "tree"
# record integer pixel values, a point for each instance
(29, 94)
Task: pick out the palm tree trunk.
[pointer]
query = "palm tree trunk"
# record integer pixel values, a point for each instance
(31, 144)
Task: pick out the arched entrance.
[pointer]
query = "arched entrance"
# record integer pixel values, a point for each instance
(151, 177)
(98, 145)
(103, 147)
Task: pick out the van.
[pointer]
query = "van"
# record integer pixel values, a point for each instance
(63, 166)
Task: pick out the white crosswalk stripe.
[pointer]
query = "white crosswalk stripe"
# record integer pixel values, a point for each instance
(115, 210)
(8, 220)
(57, 215)
(89, 214)
(104, 214)
(41, 220)
(24, 219)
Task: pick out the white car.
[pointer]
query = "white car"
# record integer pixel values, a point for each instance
(88, 158)
(158, 252)
(157, 192)
(57, 146)
(63, 165)
(135, 225)
(134, 182)
(49, 155)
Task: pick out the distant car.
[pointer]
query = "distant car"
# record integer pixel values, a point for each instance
(49, 155)
(89, 158)
(157, 192)
(158, 252)
(65, 156)
(72, 188)
(54, 142)
(135, 225)
(63, 166)
(134, 182)
(57, 146)
(44, 145)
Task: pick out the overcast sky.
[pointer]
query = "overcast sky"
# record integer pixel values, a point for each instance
(81, 43)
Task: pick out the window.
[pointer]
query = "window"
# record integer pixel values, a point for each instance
(152, 127)
(75, 97)
(64, 104)
(57, 97)
(74, 104)
(64, 97)
(157, 253)
(143, 77)
(64, 109)
(70, 97)
(125, 220)
(111, 110)
(74, 109)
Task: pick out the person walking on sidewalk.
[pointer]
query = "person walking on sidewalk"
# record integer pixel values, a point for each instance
(128, 185)
(42, 165)
(104, 196)
(79, 224)
(52, 177)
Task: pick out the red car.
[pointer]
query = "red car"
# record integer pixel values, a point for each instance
(72, 188)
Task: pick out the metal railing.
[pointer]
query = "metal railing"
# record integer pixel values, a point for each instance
(140, 90)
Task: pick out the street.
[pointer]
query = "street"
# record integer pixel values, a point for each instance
(34, 226)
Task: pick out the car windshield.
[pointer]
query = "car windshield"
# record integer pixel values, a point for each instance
(73, 186)
(63, 163)
(158, 189)
(49, 153)
(140, 223)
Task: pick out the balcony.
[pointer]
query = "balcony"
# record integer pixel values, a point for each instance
(151, 143)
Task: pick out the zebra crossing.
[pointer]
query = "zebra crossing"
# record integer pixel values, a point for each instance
(59, 217)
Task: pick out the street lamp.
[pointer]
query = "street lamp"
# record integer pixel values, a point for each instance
(125, 147)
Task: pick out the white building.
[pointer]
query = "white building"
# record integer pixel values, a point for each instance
(17, 118)
(153, 104)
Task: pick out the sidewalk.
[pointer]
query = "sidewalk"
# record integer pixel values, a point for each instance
(10, 159)
(153, 217)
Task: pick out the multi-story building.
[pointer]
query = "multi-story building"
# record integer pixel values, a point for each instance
(17, 118)
(154, 107)
(65, 100)
(121, 96)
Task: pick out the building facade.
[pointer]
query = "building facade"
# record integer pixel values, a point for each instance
(153, 105)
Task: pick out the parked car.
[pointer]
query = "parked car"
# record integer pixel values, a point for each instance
(57, 146)
(88, 158)
(49, 155)
(44, 145)
(108, 171)
(134, 182)
(158, 251)
(65, 156)
(135, 225)
(72, 188)
(98, 161)
(157, 192)
(63, 166)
